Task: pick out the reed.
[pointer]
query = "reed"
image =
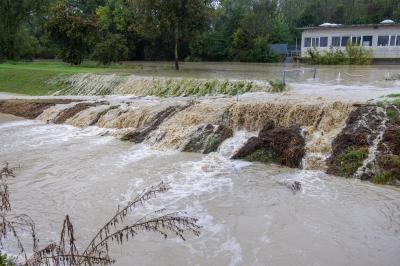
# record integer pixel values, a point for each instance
(13, 226)
(117, 230)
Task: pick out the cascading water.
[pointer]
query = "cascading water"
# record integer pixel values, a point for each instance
(185, 120)
(369, 164)
(248, 214)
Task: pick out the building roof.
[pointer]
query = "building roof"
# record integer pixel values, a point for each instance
(341, 26)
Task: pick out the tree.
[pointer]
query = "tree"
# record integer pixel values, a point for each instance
(13, 14)
(112, 49)
(72, 31)
(178, 18)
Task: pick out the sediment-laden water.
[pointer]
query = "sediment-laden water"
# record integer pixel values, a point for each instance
(248, 215)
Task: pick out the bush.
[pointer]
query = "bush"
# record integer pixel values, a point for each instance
(262, 51)
(111, 50)
(350, 160)
(383, 178)
(357, 55)
(352, 55)
(5, 261)
(277, 86)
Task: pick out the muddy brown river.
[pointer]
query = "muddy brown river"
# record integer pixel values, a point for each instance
(248, 216)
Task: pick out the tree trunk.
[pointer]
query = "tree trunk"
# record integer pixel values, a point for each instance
(176, 49)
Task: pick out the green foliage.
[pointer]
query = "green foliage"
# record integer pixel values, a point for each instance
(392, 114)
(350, 160)
(176, 19)
(383, 178)
(199, 87)
(5, 261)
(72, 31)
(393, 95)
(352, 55)
(261, 155)
(194, 30)
(262, 51)
(358, 55)
(277, 86)
(14, 14)
(111, 50)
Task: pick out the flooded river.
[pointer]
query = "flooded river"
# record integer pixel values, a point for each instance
(376, 75)
(247, 216)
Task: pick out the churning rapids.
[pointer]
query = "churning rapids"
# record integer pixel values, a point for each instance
(248, 216)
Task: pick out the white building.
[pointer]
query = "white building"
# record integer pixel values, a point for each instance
(382, 39)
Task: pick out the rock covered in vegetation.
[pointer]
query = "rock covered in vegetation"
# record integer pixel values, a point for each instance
(285, 146)
(351, 147)
(389, 150)
(29, 109)
(207, 138)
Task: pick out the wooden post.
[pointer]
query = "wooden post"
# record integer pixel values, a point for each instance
(284, 77)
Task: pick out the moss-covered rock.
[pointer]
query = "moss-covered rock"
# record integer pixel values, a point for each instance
(285, 146)
(261, 155)
(347, 163)
(350, 147)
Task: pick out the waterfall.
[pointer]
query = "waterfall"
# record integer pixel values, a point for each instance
(222, 125)
(113, 84)
(369, 164)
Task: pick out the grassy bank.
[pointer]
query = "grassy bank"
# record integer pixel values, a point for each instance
(31, 78)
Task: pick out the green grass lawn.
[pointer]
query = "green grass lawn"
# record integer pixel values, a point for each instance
(31, 77)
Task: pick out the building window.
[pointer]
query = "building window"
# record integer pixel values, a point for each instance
(345, 41)
(315, 42)
(393, 40)
(356, 40)
(383, 40)
(335, 41)
(367, 41)
(307, 42)
(323, 42)
(398, 40)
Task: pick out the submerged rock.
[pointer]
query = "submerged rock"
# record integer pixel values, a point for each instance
(207, 138)
(70, 112)
(139, 135)
(285, 146)
(29, 109)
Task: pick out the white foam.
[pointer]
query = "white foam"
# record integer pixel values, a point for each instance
(230, 146)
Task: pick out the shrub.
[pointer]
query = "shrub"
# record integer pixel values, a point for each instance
(357, 55)
(350, 160)
(393, 95)
(111, 50)
(352, 55)
(5, 261)
(277, 86)
(383, 178)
